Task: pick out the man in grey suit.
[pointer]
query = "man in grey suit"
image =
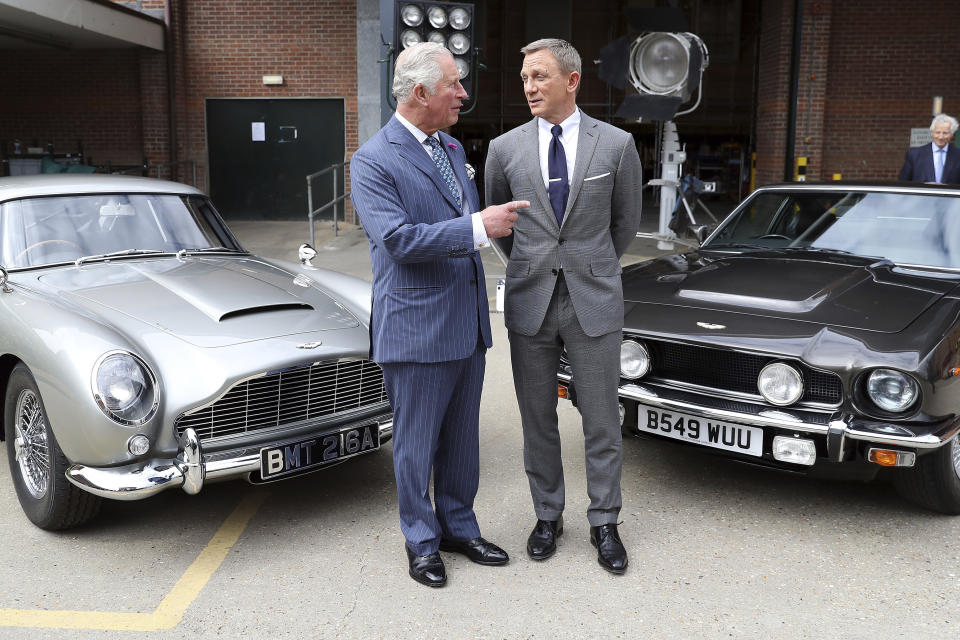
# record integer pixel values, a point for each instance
(563, 287)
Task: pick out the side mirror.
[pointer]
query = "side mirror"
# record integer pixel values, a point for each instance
(306, 253)
(702, 232)
(4, 276)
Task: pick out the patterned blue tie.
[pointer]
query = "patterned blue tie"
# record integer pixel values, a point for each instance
(558, 185)
(446, 171)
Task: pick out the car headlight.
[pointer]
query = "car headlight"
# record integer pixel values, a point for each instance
(891, 390)
(780, 384)
(634, 360)
(125, 388)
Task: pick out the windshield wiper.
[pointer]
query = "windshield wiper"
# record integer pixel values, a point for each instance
(737, 245)
(117, 254)
(822, 250)
(187, 252)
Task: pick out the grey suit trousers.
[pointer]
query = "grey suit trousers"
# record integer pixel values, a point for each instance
(596, 361)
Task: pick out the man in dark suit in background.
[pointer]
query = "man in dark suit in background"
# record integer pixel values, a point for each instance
(563, 286)
(938, 161)
(430, 325)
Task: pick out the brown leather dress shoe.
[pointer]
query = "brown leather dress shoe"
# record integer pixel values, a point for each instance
(477, 550)
(428, 569)
(542, 542)
(611, 554)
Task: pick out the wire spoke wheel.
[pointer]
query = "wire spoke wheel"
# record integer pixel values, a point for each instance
(32, 452)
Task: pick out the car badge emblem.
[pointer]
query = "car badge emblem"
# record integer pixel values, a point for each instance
(707, 325)
(302, 280)
(310, 345)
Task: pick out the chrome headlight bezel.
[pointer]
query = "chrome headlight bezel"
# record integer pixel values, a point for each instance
(142, 407)
(635, 360)
(792, 374)
(873, 388)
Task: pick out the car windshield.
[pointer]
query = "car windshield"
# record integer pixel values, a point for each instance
(47, 230)
(910, 229)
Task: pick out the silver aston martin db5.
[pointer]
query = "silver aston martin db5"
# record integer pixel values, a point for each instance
(142, 348)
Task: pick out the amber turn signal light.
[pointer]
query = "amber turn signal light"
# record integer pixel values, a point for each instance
(891, 458)
(561, 391)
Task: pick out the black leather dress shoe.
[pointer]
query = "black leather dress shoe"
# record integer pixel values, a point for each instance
(610, 552)
(478, 550)
(428, 569)
(542, 542)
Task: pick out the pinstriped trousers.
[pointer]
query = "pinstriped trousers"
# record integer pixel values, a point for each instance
(436, 415)
(596, 370)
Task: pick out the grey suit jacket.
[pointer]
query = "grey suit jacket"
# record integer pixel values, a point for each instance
(602, 217)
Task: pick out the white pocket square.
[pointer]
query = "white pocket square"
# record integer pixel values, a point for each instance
(602, 175)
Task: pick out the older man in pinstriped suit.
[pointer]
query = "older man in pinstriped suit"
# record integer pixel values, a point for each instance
(430, 325)
(563, 286)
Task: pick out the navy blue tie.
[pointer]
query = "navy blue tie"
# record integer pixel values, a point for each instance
(559, 186)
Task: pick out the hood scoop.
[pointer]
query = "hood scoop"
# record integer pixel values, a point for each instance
(236, 313)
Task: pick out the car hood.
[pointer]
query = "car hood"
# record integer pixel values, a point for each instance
(842, 291)
(206, 301)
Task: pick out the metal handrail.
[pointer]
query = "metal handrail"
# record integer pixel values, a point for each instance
(337, 199)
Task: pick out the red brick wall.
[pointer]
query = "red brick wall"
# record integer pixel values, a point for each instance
(66, 97)
(773, 89)
(224, 47)
(869, 71)
(884, 72)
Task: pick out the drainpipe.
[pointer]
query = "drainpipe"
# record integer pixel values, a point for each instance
(794, 91)
(171, 84)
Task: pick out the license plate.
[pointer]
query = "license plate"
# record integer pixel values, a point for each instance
(297, 457)
(706, 431)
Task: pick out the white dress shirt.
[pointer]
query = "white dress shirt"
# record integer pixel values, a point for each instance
(480, 239)
(569, 137)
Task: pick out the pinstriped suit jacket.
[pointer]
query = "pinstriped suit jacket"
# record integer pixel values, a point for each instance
(602, 217)
(429, 294)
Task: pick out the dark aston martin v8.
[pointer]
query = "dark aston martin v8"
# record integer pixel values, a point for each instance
(817, 328)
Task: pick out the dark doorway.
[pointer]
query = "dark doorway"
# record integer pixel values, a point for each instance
(261, 151)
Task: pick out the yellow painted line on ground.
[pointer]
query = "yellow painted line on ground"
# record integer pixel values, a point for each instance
(171, 609)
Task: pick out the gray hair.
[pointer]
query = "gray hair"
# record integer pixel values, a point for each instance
(942, 118)
(563, 51)
(418, 64)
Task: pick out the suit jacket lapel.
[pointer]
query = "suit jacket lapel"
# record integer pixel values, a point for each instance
(929, 171)
(586, 144)
(530, 152)
(414, 153)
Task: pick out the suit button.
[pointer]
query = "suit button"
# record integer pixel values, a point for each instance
(473, 282)
(554, 271)
(562, 240)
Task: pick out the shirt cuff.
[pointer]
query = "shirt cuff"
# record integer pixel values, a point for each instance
(480, 239)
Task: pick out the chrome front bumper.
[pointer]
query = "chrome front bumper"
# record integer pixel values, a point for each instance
(189, 470)
(837, 432)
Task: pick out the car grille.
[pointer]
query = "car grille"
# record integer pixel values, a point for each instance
(734, 371)
(320, 390)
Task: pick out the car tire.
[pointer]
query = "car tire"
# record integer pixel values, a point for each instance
(48, 499)
(934, 482)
